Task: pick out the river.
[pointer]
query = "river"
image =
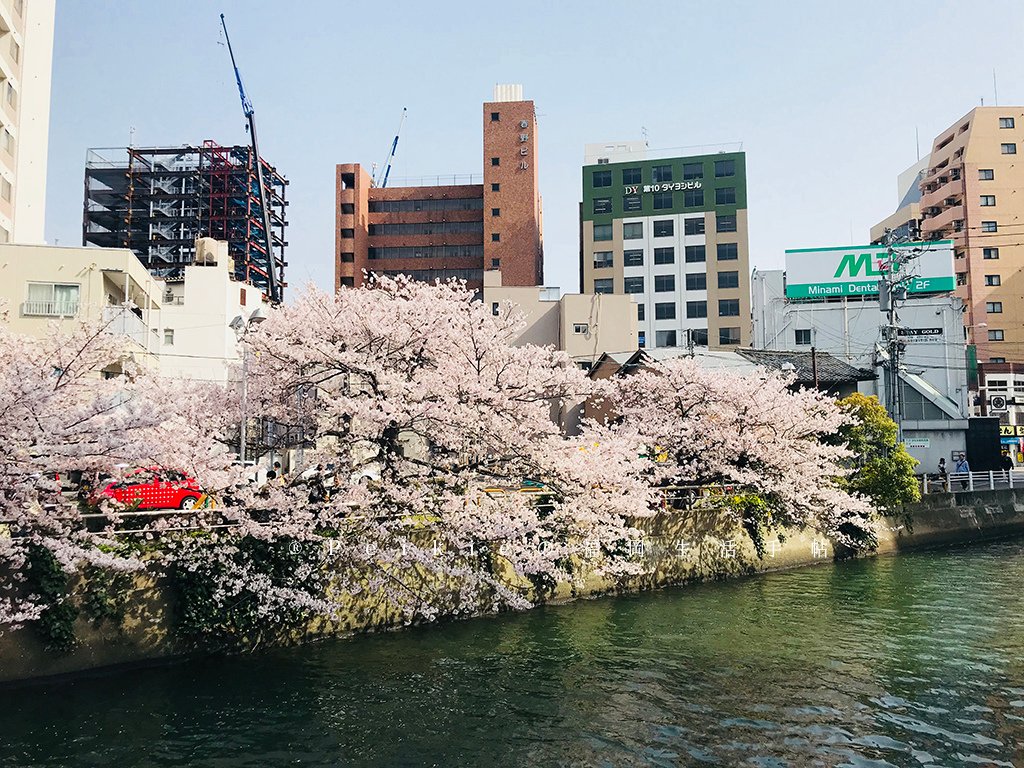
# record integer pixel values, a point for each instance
(894, 661)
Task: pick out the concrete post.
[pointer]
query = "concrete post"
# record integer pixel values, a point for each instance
(970, 481)
(991, 480)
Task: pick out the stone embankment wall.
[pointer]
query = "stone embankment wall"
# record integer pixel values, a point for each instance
(682, 548)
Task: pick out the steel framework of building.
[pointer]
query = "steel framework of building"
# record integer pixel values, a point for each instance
(158, 200)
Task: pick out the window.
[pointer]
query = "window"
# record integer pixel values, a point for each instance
(660, 173)
(348, 257)
(725, 168)
(695, 254)
(633, 231)
(664, 283)
(631, 176)
(665, 338)
(725, 224)
(345, 207)
(169, 336)
(728, 279)
(602, 205)
(52, 299)
(495, 187)
(990, 253)
(633, 285)
(693, 226)
(961, 278)
(728, 307)
(696, 309)
(633, 258)
(728, 336)
(602, 178)
(994, 307)
(665, 311)
(495, 237)
(640, 314)
(987, 201)
(631, 203)
(641, 339)
(12, 99)
(664, 228)
(1008, 149)
(986, 174)
(995, 335)
(495, 161)
(699, 336)
(497, 211)
(348, 234)
(495, 308)
(989, 226)
(992, 280)
(348, 282)
(997, 359)
(604, 285)
(693, 171)
(602, 232)
(662, 200)
(803, 337)
(664, 255)
(602, 259)
(580, 328)
(728, 251)
(495, 263)
(693, 197)
(495, 117)
(725, 196)
(1006, 122)
(696, 281)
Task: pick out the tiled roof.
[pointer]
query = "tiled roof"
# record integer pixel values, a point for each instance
(831, 370)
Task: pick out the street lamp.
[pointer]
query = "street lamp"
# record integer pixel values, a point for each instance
(241, 325)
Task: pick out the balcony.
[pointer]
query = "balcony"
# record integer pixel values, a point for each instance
(123, 322)
(49, 308)
(953, 188)
(943, 220)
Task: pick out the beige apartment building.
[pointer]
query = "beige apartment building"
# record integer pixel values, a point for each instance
(26, 56)
(583, 325)
(45, 284)
(973, 193)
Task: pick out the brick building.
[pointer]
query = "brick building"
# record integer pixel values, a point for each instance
(458, 230)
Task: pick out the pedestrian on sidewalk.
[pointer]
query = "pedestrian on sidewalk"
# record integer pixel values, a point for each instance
(1007, 464)
(962, 468)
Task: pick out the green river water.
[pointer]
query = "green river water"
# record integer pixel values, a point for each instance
(916, 660)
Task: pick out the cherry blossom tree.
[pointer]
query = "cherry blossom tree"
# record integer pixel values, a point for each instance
(773, 443)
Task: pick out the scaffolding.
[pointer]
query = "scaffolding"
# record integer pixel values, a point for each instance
(157, 200)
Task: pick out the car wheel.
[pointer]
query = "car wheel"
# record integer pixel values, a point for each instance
(189, 502)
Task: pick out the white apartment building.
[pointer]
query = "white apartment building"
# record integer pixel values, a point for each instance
(26, 58)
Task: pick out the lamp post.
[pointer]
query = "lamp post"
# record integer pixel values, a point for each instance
(241, 326)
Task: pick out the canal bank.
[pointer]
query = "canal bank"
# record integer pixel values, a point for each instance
(680, 548)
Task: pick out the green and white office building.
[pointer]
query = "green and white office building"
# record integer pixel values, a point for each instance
(672, 233)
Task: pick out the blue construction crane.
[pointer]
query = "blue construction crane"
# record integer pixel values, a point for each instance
(272, 286)
(382, 181)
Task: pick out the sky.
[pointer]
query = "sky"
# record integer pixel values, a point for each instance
(826, 98)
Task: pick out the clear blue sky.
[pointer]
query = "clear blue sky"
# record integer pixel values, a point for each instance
(825, 97)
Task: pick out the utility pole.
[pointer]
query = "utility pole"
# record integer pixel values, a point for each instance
(814, 366)
(892, 291)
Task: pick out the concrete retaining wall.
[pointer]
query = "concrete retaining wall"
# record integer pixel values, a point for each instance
(680, 548)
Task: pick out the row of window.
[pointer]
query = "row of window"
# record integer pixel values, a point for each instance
(697, 281)
(428, 228)
(635, 230)
(662, 173)
(726, 336)
(442, 204)
(694, 309)
(692, 198)
(694, 254)
(426, 252)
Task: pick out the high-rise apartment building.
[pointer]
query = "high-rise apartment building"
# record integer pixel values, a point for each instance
(26, 57)
(971, 193)
(439, 231)
(672, 233)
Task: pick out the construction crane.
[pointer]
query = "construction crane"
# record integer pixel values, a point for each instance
(272, 286)
(382, 180)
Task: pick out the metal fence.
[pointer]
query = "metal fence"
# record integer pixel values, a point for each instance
(991, 480)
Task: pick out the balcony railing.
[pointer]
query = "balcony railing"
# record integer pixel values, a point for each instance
(49, 308)
(121, 321)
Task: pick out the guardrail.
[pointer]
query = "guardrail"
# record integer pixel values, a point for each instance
(991, 480)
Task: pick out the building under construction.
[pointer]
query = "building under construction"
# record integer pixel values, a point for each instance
(158, 200)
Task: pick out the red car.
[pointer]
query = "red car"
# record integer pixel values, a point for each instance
(156, 489)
